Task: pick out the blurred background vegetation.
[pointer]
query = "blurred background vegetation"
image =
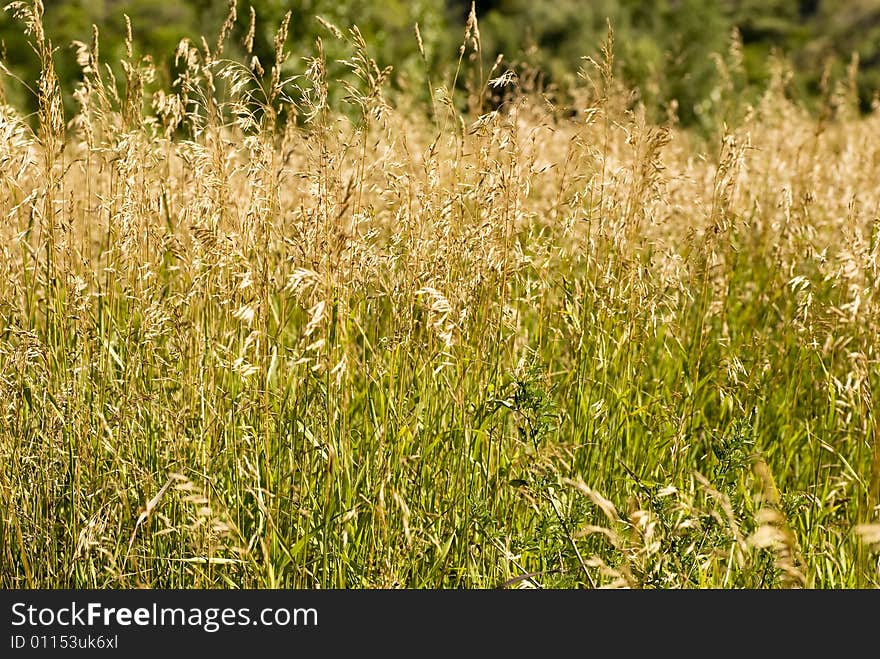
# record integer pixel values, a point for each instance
(670, 50)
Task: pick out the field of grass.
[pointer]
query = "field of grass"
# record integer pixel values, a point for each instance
(252, 339)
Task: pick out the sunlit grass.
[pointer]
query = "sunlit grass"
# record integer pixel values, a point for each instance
(433, 348)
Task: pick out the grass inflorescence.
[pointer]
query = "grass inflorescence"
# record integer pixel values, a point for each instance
(248, 339)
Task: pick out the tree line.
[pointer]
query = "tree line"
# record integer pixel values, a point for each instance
(672, 51)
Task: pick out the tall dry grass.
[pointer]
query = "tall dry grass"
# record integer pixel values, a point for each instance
(250, 340)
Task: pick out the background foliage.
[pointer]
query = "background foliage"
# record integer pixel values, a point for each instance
(666, 49)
